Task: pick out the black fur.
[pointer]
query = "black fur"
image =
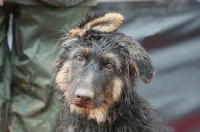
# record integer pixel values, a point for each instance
(131, 113)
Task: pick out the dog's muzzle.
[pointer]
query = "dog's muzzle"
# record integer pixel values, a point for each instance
(83, 98)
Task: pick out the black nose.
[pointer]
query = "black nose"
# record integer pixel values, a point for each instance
(84, 96)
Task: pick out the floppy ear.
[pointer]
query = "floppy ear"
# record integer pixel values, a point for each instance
(99, 23)
(139, 59)
(141, 62)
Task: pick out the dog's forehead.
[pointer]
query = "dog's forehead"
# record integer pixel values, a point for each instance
(95, 50)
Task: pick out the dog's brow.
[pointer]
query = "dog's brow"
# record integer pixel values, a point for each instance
(113, 57)
(109, 56)
(82, 50)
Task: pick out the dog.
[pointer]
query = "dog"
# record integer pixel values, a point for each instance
(96, 73)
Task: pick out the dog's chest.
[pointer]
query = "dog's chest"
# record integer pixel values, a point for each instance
(71, 128)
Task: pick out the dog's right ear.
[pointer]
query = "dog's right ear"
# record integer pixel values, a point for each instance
(141, 62)
(138, 59)
(99, 23)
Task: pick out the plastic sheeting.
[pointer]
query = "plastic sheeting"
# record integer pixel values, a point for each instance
(170, 31)
(27, 100)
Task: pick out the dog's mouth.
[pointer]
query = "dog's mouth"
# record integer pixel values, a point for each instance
(82, 105)
(89, 112)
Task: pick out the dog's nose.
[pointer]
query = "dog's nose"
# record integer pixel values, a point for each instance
(84, 96)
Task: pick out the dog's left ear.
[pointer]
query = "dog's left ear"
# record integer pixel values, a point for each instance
(99, 23)
(139, 60)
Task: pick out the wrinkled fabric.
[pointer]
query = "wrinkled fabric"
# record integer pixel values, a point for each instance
(55, 2)
(5, 72)
(27, 101)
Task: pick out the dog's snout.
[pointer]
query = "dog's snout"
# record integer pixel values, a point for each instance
(84, 97)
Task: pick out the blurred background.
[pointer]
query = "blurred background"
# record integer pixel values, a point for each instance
(170, 32)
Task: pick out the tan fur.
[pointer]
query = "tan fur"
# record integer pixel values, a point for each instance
(61, 78)
(76, 32)
(117, 89)
(100, 113)
(84, 50)
(110, 22)
(109, 55)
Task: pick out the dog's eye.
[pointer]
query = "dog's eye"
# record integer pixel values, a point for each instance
(109, 66)
(79, 58)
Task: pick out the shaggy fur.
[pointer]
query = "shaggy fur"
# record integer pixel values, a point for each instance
(96, 72)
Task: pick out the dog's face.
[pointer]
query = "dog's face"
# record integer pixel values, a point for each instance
(90, 77)
(96, 66)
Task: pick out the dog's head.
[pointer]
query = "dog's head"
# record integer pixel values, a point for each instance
(97, 64)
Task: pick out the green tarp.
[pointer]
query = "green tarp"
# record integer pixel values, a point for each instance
(27, 101)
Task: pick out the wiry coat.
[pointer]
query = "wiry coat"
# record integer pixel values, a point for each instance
(105, 63)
